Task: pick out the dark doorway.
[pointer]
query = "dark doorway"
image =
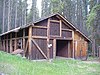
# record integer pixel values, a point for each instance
(62, 48)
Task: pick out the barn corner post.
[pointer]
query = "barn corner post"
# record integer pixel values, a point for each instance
(29, 42)
(48, 38)
(54, 49)
(73, 55)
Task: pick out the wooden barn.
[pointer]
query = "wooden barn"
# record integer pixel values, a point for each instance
(46, 39)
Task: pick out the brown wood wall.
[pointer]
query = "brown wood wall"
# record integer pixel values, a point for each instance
(36, 39)
(81, 46)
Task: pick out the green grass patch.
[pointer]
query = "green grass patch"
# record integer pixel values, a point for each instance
(14, 65)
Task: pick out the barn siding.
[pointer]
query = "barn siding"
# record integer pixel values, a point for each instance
(45, 32)
(80, 46)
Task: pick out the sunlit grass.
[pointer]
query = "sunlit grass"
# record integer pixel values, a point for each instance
(14, 65)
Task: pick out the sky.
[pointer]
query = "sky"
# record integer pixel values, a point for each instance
(38, 5)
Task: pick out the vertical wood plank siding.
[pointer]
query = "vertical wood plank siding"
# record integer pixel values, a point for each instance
(52, 36)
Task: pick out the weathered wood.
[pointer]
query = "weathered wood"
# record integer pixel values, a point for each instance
(7, 44)
(39, 48)
(69, 51)
(54, 21)
(15, 47)
(53, 30)
(66, 29)
(54, 48)
(18, 51)
(65, 23)
(73, 43)
(60, 28)
(40, 27)
(19, 38)
(23, 39)
(40, 37)
(48, 39)
(10, 42)
(26, 47)
(29, 41)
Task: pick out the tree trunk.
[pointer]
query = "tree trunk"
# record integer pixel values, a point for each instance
(16, 14)
(3, 16)
(8, 15)
(93, 47)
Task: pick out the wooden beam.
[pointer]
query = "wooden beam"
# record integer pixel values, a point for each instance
(7, 43)
(65, 22)
(67, 29)
(26, 47)
(64, 38)
(40, 37)
(23, 39)
(19, 38)
(10, 42)
(15, 41)
(21, 43)
(54, 48)
(48, 39)
(73, 43)
(40, 27)
(54, 21)
(60, 28)
(29, 42)
(39, 48)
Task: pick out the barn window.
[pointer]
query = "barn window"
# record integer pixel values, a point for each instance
(54, 28)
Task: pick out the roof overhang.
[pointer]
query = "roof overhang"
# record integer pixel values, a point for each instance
(13, 30)
(56, 14)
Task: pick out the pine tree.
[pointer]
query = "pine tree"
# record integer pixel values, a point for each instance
(34, 13)
(1, 15)
(46, 8)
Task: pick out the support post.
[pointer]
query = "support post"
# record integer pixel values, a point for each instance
(29, 42)
(73, 43)
(60, 28)
(54, 47)
(15, 41)
(23, 39)
(48, 39)
(7, 44)
(68, 49)
(10, 42)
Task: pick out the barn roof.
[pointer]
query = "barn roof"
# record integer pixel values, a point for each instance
(41, 19)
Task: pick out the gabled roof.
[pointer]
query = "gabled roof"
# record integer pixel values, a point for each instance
(41, 19)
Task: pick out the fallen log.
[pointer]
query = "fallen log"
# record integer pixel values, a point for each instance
(18, 52)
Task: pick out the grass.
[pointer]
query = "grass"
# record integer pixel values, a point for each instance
(14, 65)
